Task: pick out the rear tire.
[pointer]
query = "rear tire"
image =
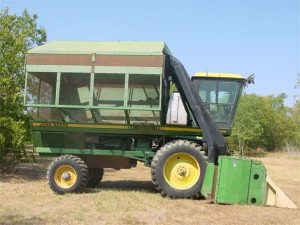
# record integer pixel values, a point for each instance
(67, 174)
(95, 177)
(178, 169)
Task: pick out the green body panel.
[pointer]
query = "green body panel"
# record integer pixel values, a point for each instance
(257, 184)
(207, 186)
(137, 154)
(69, 138)
(68, 135)
(233, 180)
(238, 181)
(37, 139)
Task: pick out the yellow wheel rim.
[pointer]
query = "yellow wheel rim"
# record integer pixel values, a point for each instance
(181, 171)
(65, 176)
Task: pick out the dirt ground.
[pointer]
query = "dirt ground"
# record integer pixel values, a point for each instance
(128, 197)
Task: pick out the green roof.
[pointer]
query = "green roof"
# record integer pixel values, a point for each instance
(110, 48)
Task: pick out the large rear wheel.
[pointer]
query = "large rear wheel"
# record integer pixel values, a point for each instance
(95, 176)
(67, 174)
(178, 169)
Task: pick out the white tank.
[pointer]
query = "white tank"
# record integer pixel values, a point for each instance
(176, 111)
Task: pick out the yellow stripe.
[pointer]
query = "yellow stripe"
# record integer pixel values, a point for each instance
(98, 126)
(126, 127)
(180, 129)
(79, 125)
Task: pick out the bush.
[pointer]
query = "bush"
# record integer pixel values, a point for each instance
(12, 139)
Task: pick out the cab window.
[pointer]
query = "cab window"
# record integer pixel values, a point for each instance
(219, 98)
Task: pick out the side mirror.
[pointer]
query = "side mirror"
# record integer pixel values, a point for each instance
(250, 79)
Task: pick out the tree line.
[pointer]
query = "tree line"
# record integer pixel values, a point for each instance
(264, 122)
(261, 121)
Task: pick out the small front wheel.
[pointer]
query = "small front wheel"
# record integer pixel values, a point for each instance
(67, 174)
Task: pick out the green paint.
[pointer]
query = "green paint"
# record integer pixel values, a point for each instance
(207, 186)
(240, 181)
(233, 180)
(37, 138)
(257, 184)
(140, 154)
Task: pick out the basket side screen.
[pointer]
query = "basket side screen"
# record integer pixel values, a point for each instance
(74, 89)
(109, 91)
(41, 88)
(61, 114)
(95, 98)
(144, 93)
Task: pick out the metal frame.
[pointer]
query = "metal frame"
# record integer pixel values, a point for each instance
(141, 152)
(91, 106)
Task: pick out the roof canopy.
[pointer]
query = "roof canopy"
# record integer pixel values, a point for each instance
(105, 48)
(219, 75)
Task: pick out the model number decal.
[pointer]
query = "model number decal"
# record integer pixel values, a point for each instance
(54, 125)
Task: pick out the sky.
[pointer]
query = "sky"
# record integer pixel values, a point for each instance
(245, 37)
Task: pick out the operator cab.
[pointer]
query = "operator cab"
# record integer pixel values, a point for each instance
(220, 93)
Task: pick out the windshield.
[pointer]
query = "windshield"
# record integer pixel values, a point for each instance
(219, 97)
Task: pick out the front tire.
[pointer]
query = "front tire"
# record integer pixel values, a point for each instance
(67, 174)
(178, 169)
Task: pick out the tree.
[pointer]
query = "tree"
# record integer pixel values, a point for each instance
(282, 129)
(17, 35)
(263, 122)
(247, 127)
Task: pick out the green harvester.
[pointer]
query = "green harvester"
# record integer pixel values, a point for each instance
(99, 105)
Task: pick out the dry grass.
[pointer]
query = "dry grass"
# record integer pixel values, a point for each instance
(127, 197)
